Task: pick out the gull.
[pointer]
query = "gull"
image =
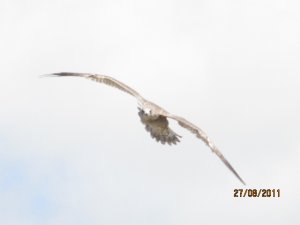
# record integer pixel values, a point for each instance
(154, 117)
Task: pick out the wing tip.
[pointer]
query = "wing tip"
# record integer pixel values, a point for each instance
(228, 165)
(241, 180)
(60, 74)
(234, 172)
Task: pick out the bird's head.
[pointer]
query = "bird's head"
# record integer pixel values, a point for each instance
(147, 111)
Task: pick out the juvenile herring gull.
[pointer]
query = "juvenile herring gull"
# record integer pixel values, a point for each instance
(154, 117)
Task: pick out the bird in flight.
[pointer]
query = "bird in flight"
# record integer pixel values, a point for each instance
(154, 117)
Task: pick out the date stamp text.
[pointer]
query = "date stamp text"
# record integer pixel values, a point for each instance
(256, 193)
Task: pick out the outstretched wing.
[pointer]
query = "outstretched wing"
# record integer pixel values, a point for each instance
(157, 125)
(158, 128)
(105, 80)
(201, 134)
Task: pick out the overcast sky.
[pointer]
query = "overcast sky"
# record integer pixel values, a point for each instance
(73, 151)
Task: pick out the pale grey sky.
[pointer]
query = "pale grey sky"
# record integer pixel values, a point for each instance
(74, 152)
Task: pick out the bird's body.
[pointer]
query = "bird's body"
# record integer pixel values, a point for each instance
(158, 126)
(155, 118)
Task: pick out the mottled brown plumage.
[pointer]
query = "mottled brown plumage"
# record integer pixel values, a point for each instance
(158, 126)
